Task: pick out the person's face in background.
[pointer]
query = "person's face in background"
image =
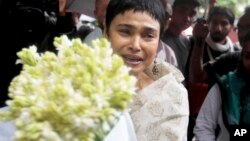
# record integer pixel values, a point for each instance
(246, 56)
(219, 27)
(168, 10)
(243, 27)
(64, 9)
(100, 11)
(62, 5)
(168, 15)
(135, 37)
(183, 16)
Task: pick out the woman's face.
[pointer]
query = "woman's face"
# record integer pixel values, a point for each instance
(246, 56)
(135, 37)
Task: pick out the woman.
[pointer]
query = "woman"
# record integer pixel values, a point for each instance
(227, 105)
(160, 109)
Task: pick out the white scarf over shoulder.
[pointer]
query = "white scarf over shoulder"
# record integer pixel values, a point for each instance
(160, 111)
(228, 46)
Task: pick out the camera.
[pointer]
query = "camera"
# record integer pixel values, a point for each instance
(29, 21)
(43, 5)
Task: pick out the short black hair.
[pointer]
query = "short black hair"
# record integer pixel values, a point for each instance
(247, 9)
(191, 2)
(224, 11)
(153, 7)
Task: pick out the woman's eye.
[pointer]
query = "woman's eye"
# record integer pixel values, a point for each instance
(148, 36)
(124, 32)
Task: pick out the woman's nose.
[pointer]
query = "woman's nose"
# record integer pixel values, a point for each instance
(135, 43)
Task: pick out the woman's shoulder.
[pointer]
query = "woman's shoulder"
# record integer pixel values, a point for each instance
(168, 82)
(162, 69)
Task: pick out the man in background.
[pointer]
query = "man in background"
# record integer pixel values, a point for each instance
(100, 14)
(100, 11)
(184, 12)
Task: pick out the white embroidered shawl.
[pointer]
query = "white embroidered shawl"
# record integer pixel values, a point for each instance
(160, 112)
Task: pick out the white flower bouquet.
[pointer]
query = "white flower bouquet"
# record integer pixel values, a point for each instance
(76, 94)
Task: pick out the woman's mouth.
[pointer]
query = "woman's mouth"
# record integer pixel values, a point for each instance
(132, 60)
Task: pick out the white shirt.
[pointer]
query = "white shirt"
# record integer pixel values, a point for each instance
(209, 117)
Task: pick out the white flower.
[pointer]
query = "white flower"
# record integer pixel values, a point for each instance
(73, 95)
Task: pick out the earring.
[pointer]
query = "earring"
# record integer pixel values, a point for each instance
(155, 69)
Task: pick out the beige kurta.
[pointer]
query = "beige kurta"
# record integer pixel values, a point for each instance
(160, 111)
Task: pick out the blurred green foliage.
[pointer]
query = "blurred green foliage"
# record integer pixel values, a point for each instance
(237, 6)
